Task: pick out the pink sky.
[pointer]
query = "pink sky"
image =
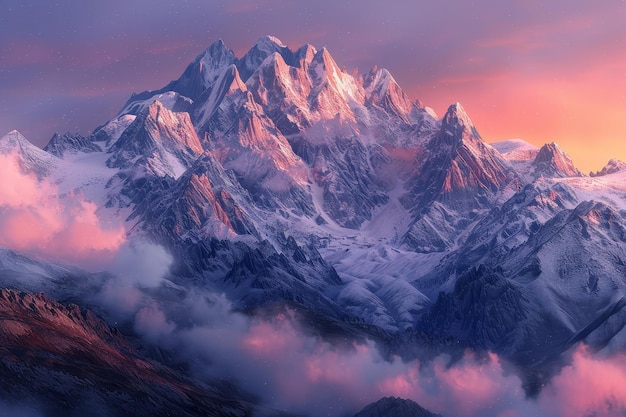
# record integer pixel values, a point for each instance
(541, 71)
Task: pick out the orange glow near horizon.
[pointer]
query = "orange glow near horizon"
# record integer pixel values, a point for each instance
(581, 109)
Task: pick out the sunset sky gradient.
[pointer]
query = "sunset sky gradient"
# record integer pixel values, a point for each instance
(540, 71)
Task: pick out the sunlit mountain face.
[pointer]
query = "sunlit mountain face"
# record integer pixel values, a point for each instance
(272, 235)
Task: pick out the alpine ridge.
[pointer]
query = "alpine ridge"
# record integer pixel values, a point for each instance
(283, 183)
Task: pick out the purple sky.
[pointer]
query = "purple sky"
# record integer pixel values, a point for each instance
(540, 70)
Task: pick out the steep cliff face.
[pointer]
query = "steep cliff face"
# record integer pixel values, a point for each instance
(205, 202)
(163, 141)
(458, 176)
(459, 165)
(552, 161)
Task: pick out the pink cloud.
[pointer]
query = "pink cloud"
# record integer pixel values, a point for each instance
(151, 322)
(591, 385)
(471, 387)
(292, 370)
(306, 370)
(36, 221)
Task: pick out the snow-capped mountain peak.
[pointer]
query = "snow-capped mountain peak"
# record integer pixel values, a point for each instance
(269, 42)
(166, 140)
(613, 166)
(263, 48)
(552, 161)
(30, 158)
(304, 55)
(228, 83)
(203, 71)
(383, 90)
(215, 57)
(456, 124)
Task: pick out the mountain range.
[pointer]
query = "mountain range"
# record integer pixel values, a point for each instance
(286, 184)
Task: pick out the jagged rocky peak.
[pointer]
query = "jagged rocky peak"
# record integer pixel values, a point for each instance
(270, 42)
(457, 174)
(601, 217)
(202, 206)
(334, 92)
(172, 126)
(166, 138)
(228, 83)
(215, 57)
(30, 158)
(13, 141)
(456, 125)
(328, 68)
(472, 163)
(247, 141)
(304, 55)
(273, 72)
(200, 74)
(203, 71)
(232, 78)
(283, 92)
(258, 146)
(377, 81)
(206, 201)
(552, 161)
(383, 90)
(263, 48)
(613, 166)
(59, 144)
(396, 407)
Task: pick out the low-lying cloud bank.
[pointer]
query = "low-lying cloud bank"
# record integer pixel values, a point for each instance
(34, 219)
(291, 371)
